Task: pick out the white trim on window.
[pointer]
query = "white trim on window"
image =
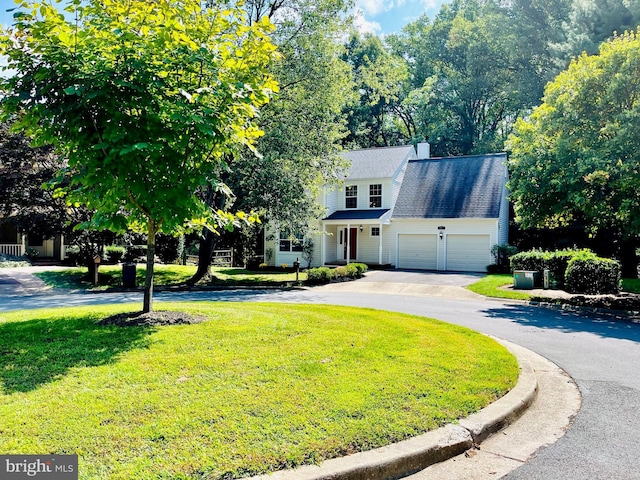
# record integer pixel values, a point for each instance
(351, 196)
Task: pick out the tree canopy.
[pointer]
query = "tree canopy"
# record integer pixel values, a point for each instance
(24, 204)
(472, 70)
(302, 125)
(143, 99)
(576, 159)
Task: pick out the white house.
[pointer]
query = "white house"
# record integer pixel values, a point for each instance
(13, 242)
(401, 208)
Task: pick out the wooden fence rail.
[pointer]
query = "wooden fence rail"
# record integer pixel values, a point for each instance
(220, 258)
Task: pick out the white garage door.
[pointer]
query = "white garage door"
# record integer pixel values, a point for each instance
(468, 253)
(418, 251)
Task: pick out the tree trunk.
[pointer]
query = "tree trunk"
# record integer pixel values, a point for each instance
(151, 254)
(205, 250)
(214, 199)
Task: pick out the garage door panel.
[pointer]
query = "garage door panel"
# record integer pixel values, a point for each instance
(417, 251)
(468, 253)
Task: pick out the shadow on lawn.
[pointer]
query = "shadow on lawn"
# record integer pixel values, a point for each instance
(39, 351)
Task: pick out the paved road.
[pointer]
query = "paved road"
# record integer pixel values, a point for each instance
(602, 355)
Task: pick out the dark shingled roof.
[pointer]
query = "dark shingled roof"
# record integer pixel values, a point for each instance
(376, 162)
(357, 214)
(455, 187)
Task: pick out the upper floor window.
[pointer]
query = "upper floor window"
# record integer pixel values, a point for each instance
(351, 197)
(290, 243)
(375, 196)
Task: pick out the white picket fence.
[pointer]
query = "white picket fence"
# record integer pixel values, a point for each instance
(12, 249)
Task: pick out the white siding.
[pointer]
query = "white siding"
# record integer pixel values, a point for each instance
(363, 194)
(331, 197)
(452, 226)
(368, 246)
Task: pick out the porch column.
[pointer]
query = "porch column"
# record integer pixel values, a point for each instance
(380, 245)
(348, 240)
(323, 255)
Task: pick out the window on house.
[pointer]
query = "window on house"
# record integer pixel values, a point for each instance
(290, 243)
(375, 196)
(351, 197)
(35, 240)
(375, 231)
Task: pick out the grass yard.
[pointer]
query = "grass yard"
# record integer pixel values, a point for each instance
(631, 285)
(257, 387)
(490, 286)
(111, 275)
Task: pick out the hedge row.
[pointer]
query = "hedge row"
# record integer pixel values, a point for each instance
(321, 275)
(113, 254)
(577, 271)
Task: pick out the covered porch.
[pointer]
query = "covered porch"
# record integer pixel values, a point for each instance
(355, 236)
(15, 243)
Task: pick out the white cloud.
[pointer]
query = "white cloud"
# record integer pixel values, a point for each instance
(432, 4)
(374, 7)
(363, 25)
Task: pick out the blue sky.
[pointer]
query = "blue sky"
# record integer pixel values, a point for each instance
(389, 16)
(375, 16)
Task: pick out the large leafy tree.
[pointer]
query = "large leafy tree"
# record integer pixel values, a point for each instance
(576, 159)
(145, 100)
(379, 83)
(30, 207)
(472, 75)
(24, 204)
(590, 22)
(302, 125)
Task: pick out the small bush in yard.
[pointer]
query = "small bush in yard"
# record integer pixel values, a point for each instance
(9, 261)
(556, 262)
(319, 275)
(502, 255)
(361, 268)
(114, 254)
(73, 256)
(592, 275)
(322, 275)
(534, 260)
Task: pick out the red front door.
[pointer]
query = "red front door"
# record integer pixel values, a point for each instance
(352, 240)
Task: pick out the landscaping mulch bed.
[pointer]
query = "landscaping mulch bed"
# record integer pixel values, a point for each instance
(150, 319)
(622, 301)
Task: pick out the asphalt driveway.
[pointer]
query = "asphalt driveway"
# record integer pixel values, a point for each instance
(422, 277)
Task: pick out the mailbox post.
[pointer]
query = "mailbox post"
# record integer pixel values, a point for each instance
(96, 264)
(296, 266)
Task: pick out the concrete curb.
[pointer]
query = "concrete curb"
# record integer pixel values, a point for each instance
(417, 453)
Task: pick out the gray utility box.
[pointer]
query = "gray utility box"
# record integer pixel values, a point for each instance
(525, 279)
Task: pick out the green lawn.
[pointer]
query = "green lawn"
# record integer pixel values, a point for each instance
(111, 275)
(631, 285)
(491, 286)
(256, 388)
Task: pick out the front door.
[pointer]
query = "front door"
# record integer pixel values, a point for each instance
(353, 241)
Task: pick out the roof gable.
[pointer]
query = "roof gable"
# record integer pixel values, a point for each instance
(377, 162)
(454, 187)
